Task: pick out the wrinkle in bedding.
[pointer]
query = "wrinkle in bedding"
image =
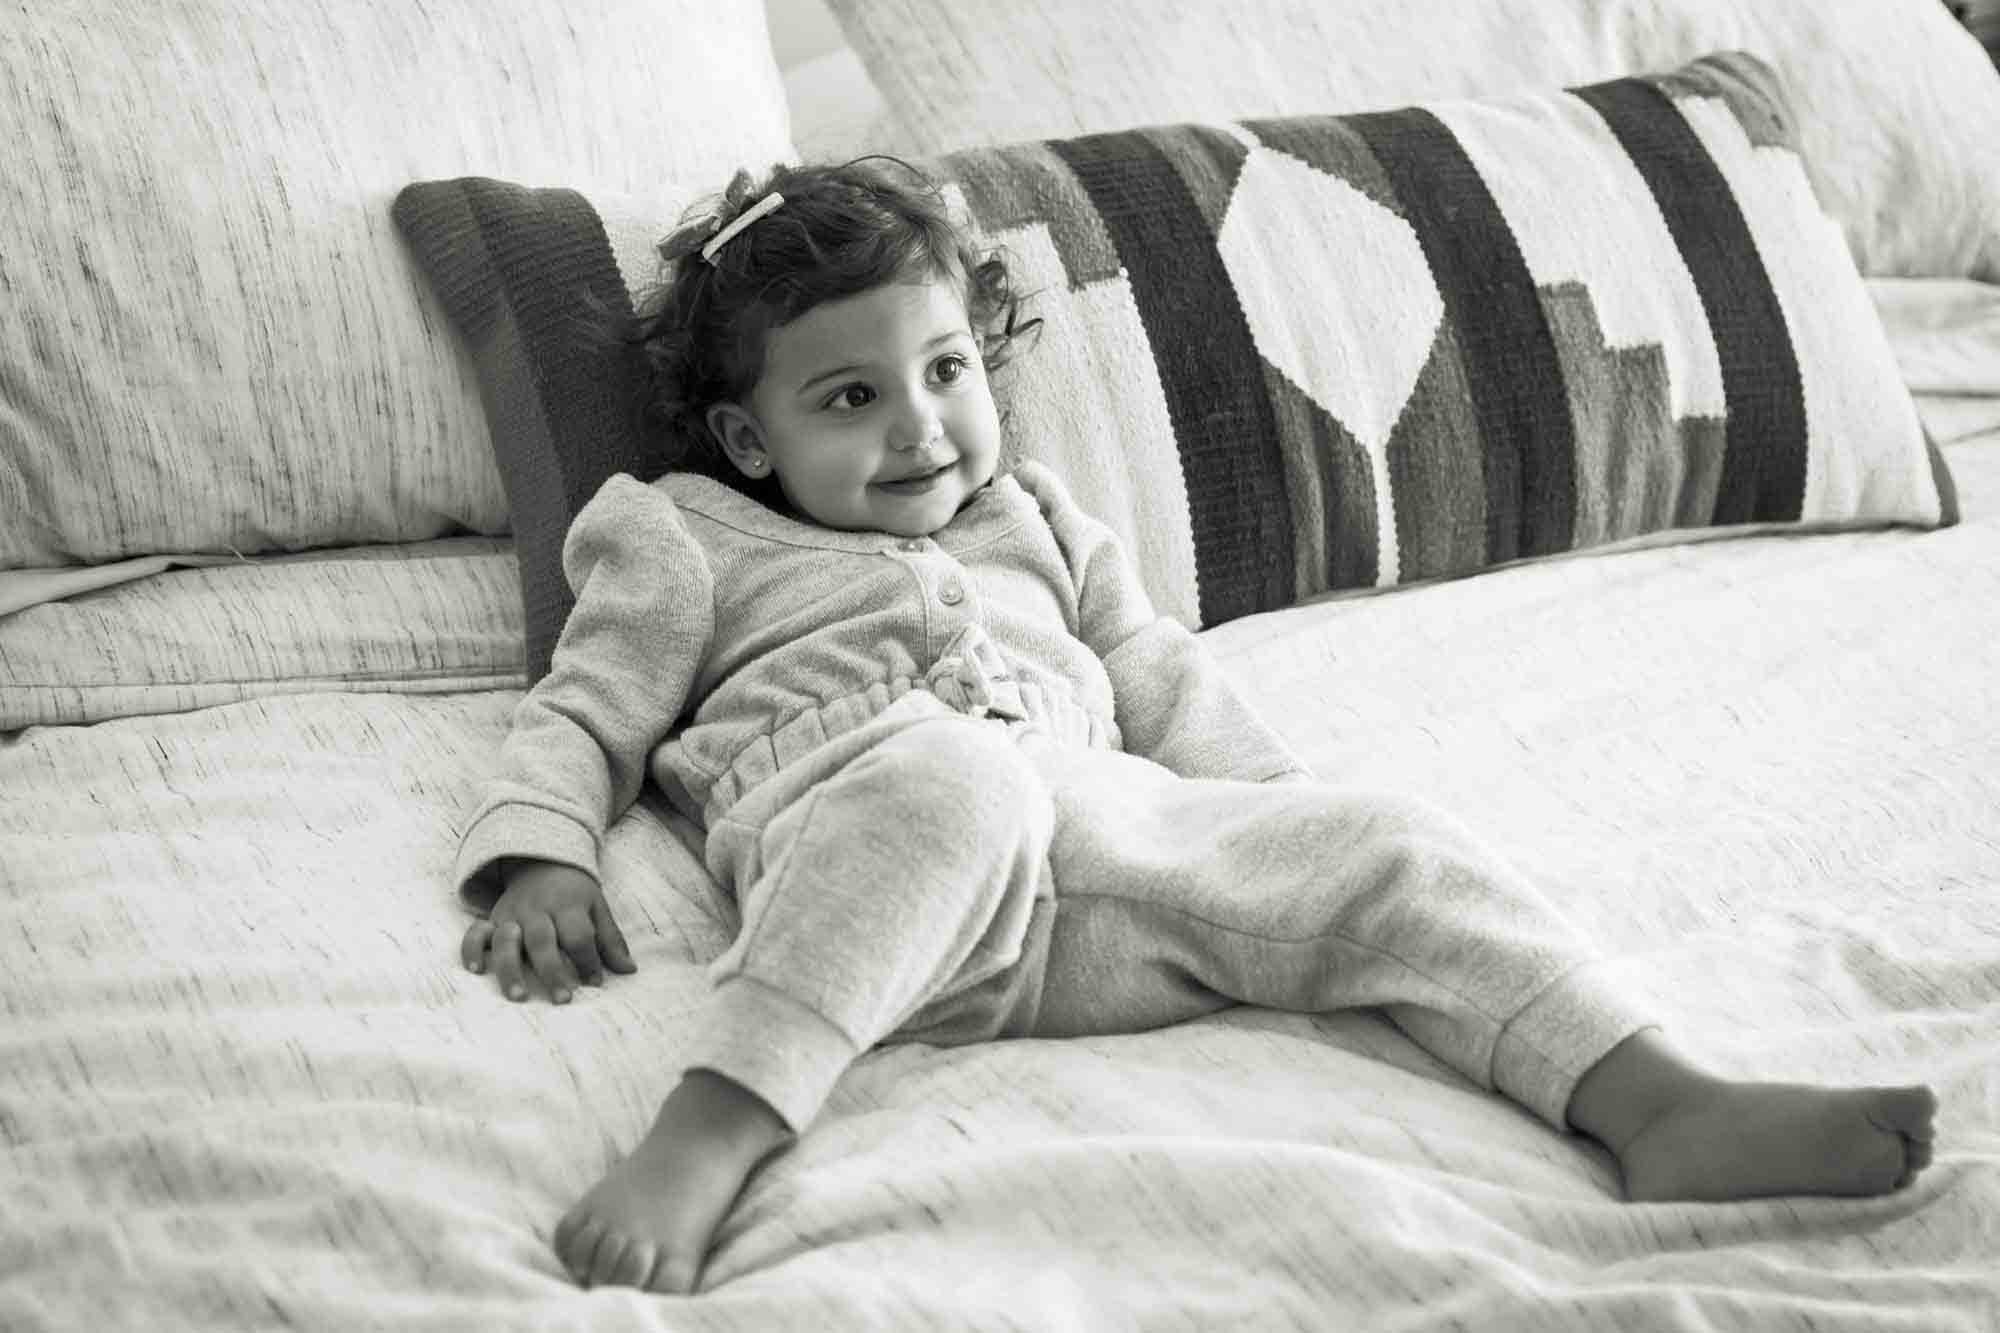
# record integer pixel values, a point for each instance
(426, 617)
(243, 1080)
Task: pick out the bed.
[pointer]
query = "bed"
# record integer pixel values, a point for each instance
(270, 600)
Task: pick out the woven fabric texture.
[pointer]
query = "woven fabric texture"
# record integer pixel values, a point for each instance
(1292, 357)
(209, 333)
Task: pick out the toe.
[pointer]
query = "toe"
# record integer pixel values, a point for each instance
(610, 1253)
(674, 1275)
(1916, 1156)
(1912, 1111)
(582, 1248)
(1909, 1112)
(1912, 1168)
(635, 1269)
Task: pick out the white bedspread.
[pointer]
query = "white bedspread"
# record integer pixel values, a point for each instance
(245, 1084)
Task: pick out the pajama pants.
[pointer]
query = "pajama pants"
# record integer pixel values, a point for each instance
(940, 878)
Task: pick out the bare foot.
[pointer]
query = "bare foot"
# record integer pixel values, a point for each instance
(649, 1222)
(1681, 1133)
(1751, 1140)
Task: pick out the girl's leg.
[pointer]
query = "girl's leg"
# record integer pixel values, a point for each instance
(902, 881)
(1175, 898)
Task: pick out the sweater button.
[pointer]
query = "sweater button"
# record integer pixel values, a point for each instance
(912, 544)
(952, 593)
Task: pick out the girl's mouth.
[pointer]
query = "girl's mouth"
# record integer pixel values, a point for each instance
(916, 485)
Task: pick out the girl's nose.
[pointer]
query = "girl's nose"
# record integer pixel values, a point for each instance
(916, 426)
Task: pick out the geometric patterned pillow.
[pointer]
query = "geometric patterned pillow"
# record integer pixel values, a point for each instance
(1283, 358)
(1295, 356)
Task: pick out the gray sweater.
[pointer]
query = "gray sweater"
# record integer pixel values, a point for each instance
(714, 641)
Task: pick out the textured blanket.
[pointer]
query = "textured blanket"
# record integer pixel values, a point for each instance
(245, 1084)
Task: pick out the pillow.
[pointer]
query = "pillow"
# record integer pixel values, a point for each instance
(1945, 334)
(1896, 103)
(526, 276)
(1290, 357)
(208, 339)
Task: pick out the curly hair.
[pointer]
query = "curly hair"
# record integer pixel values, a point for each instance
(843, 229)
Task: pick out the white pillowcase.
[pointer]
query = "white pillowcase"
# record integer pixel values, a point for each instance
(210, 334)
(1945, 333)
(416, 618)
(1898, 104)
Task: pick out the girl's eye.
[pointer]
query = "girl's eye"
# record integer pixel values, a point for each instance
(951, 368)
(851, 397)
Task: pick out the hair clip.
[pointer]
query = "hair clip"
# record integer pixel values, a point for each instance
(743, 219)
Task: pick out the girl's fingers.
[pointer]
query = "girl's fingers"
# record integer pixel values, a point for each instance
(574, 948)
(579, 941)
(472, 949)
(617, 956)
(505, 955)
(548, 960)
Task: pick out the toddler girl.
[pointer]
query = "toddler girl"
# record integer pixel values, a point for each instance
(965, 784)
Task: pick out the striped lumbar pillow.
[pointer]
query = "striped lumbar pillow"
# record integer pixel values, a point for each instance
(1297, 356)
(1286, 358)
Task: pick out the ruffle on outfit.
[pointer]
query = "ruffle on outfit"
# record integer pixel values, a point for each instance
(970, 677)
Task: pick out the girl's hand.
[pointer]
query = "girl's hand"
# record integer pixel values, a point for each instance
(555, 918)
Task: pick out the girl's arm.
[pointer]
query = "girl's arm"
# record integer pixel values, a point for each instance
(1175, 705)
(621, 674)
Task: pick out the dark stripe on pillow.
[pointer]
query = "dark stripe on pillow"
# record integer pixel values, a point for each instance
(1330, 144)
(1437, 472)
(1208, 367)
(1489, 296)
(1332, 488)
(510, 264)
(1022, 185)
(1209, 162)
(1764, 457)
(553, 247)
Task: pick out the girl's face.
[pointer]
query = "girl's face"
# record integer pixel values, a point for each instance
(873, 410)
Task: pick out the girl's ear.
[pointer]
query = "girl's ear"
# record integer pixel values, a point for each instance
(741, 439)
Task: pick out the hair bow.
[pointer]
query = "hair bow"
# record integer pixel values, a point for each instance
(708, 233)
